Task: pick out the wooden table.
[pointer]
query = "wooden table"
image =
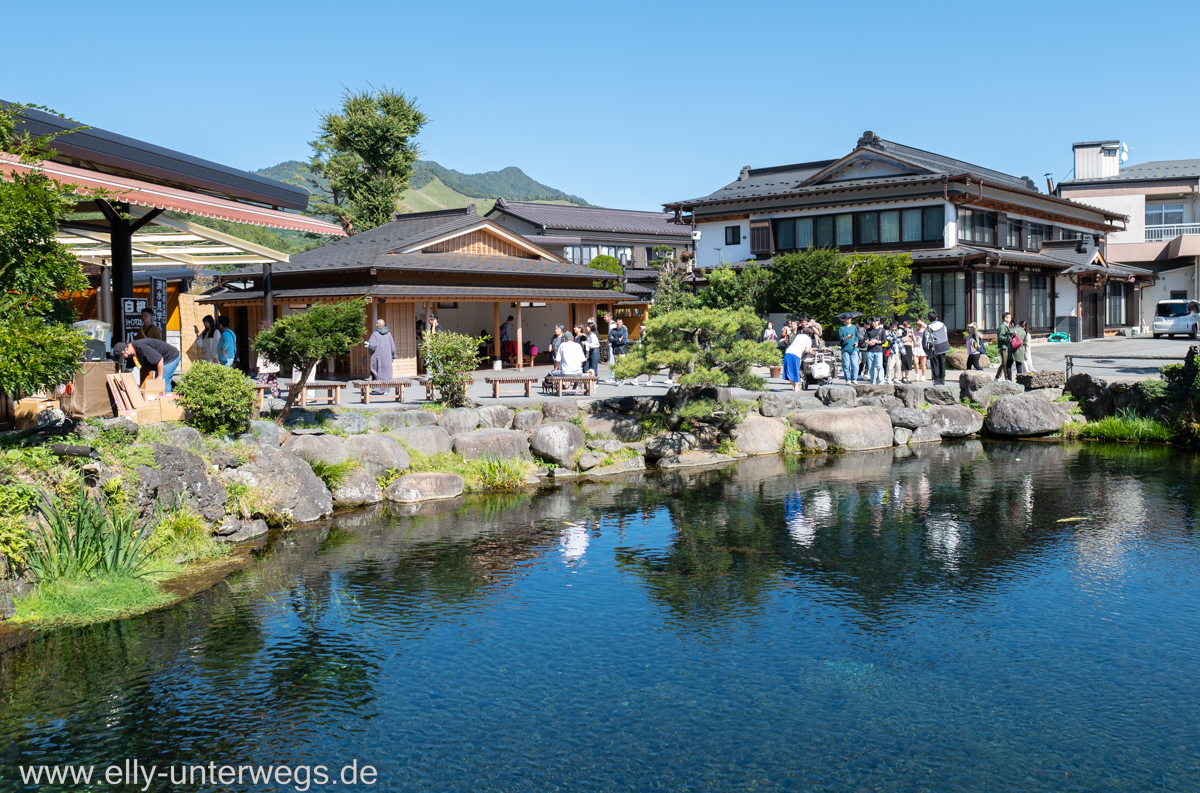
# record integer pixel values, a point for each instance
(560, 381)
(332, 389)
(365, 387)
(496, 382)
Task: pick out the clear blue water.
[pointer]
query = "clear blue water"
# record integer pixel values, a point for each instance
(935, 623)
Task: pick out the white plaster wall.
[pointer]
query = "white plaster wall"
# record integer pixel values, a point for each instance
(1132, 205)
(711, 248)
(1182, 279)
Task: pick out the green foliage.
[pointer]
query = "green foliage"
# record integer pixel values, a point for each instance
(387, 477)
(791, 442)
(184, 535)
(508, 182)
(1172, 373)
(734, 411)
(73, 601)
(730, 289)
(823, 283)
(450, 358)
(1154, 390)
(332, 474)
(672, 293)
(17, 500)
(472, 471)
(608, 264)
(220, 398)
(918, 304)
(1128, 427)
(79, 540)
(365, 154)
(247, 502)
(38, 347)
(498, 474)
(327, 330)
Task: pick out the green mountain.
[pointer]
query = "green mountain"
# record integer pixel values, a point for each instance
(433, 186)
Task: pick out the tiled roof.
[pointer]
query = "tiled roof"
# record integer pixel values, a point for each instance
(575, 218)
(475, 263)
(362, 248)
(427, 291)
(1156, 169)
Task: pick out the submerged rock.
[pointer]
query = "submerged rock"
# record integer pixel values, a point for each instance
(424, 487)
(632, 465)
(693, 459)
(851, 429)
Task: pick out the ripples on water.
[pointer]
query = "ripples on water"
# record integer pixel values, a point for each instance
(854, 622)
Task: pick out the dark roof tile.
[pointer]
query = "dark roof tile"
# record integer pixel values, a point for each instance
(576, 218)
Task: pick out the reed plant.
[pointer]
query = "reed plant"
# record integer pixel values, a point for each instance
(80, 540)
(1128, 427)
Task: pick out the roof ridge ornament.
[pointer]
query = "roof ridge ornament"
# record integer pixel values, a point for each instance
(870, 139)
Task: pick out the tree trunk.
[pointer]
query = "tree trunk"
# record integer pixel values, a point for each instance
(294, 393)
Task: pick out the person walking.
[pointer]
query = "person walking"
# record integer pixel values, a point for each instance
(618, 342)
(975, 346)
(919, 354)
(267, 373)
(793, 358)
(848, 340)
(875, 341)
(508, 344)
(1028, 347)
(1004, 337)
(1018, 345)
(937, 339)
(894, 341)
(150, 356)
(208, 339)
(227, 347)
(382, 347)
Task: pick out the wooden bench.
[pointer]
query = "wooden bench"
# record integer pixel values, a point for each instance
(365, 387)
(262, 389)
(560, 381)
(425, 381)
(496, 382)
(332, 389)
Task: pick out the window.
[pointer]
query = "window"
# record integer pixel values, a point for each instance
(1039, 301)
(804, 233)
(1179, 294)
(977, 226)
(1015, 232)
(933, 221)
(911, 225)
(824, 231)
(623, 255)
(1116, 304)
(1164, 214)
(945, 294)
(581, 254)
(1068, 234)
(733, 235)
(889, 226)
(654, 254)
(868, 228)
(844, 229)
(922, 224)
(1035, 235)
(785, 235)
(995, 298)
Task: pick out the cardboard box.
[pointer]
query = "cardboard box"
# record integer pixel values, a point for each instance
(170, 409)
(25, 411)
(151, 414)
(154, 387)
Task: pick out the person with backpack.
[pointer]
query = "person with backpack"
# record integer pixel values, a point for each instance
(1004, 337)
(937, 342)
(1017, 345)
(227, 347)
(975, 346)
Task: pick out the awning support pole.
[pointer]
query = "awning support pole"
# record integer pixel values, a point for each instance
(520, 345)
(120, 235)
(496, 331)
(268, 298)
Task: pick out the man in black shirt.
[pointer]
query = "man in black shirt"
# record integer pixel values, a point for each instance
(150, 355)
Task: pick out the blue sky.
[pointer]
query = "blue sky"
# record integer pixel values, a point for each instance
(626, 104)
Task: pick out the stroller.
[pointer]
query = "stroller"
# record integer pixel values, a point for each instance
(817, 367)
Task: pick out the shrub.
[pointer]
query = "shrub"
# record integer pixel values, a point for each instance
(79, 541)
(220, 398)
(498, 474)
(332, 474)
(1154, 390)
(450, 358)
(1128, 427)
(387, 477)
(791, 442)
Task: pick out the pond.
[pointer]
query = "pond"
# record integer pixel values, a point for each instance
(971, 617)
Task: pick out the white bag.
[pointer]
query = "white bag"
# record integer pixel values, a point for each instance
(819, 370)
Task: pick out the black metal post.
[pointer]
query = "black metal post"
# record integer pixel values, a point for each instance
(268, 300)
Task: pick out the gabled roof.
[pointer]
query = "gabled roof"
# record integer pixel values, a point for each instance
(1147, 171)
(576, 218)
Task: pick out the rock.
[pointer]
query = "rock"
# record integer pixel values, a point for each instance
(287, 483)
(317, 448)
(49, 416)
(926, 434)
(234, 529)
(377, 454)
(708, 434)
(850, 429)
(350, 422)
(557, 442)
(495, 417)
(306, 416)
(527, 420)
(889, 402)
(870, 402)
(186, 438)
(181, 474)
(955, 421)
(120, 423)
(7, 609)
(359, 487)
(1023, 415)
(776, 404)
(637, 446)
(423, 440)
(958, 360)
(839, 396)
(900, 436)
(388, 420)
(456, 420)
(626, 428)
(811, 443)
(693, 459)
(588, 460)
(501, 444)
(411, 488)
(560, 409)
(674, 395)
(607, 446)
(294, 431)
(909, 418)
(635, 404)
(591, 405)
(758, 435)
(563, 473)
(878, 389)
(223, 458)
(633, 464)
(911, 394)
(669, 443)
(1042, 378)
(541, 470)
(1048, 394)
(941, 394)
(268, 432)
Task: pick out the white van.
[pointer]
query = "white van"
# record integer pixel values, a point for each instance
(1176, 316)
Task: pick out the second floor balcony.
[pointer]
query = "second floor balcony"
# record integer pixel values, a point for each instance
(1168, 232)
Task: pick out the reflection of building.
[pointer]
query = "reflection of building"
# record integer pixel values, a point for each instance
(982, 242)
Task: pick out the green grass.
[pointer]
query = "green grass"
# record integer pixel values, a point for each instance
(791, 442)
(332, 474)
(248, 502)
(1065, 398)
(1125, 427)
(71, 600)
(498, 474)
(478, 475)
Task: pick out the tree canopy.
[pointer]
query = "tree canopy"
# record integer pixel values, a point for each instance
(38, 347)
(671, 293)
(822, 283)
(608, 264)
(728, 288)
(365, 155)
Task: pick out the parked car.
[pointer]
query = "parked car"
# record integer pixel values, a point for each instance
(1176, 316)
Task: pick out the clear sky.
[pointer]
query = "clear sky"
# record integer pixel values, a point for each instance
(627, 104)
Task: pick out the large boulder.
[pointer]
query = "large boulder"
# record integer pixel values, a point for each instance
(955, 421)
(625, 428)
(873, 389)
(234, 529)
(911, 394)
(423, 440)
(632, 465)
(456, 420)
(811, 443)
(981, 387)
(350, 422)
(850, 429)
(941, 394)
(636, 404)
(926, 434)
(560, 409)
(838, 396)
(886, 402)
(1024, 415)
(1042, 378)
(358, 488)
(557, 442)
(609, 446)
(495, 417)
(526, 420)
(777, 404)
(502, 444)
(377, 454)
(286, 482)
(317, 448)
(909, 418)
(388, 420)
(669, 443)
(693, 459)
(186, 438)
(1048, 394)
(758, 435)
(411, 488)
(181, 475)
(958, 360)
(268, 432)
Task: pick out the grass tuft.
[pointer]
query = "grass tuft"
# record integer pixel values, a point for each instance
(1127, 427)
(71, 600)
(332, 474)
